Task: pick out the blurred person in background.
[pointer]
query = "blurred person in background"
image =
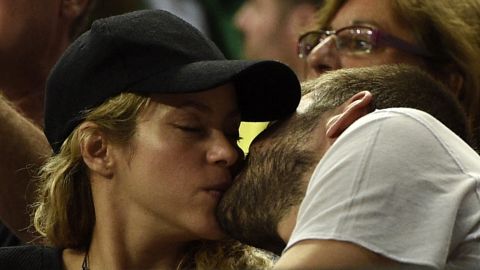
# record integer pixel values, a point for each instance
(439, 36)
(34, 35)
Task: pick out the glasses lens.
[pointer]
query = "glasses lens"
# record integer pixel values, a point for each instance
(307, 42)
(355, 40)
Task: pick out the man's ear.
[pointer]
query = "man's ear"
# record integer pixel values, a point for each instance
(95, 150)
(72, 9)
(355, 107)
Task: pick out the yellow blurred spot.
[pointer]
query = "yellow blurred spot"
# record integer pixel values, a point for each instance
(248, 132)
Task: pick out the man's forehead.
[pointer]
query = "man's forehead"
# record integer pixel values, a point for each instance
(273, 127)
(305, 102)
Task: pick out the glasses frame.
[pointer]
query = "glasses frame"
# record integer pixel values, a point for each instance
(379, 38)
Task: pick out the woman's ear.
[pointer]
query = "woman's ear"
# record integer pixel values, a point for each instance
(95, 150)
(350, 111)
(72, 9)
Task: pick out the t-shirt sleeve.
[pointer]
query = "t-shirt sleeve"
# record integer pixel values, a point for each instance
(385, 184)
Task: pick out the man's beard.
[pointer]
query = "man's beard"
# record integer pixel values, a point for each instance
(264, 192)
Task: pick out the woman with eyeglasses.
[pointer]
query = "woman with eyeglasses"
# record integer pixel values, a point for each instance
(440, 36)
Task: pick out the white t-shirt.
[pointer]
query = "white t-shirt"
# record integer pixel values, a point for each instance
(399, 183)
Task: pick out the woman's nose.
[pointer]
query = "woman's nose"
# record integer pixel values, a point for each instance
(223, 152)
(322, 58)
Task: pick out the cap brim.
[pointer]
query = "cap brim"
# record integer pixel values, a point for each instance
(267, 90)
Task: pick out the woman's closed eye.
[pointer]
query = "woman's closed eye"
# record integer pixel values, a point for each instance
(199, 130)
(189, 128)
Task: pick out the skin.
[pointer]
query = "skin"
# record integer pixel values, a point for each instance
(270, 32)
(160, 192)
(377, 13)
(34, 34)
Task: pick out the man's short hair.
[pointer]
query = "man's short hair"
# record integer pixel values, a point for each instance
(391, 86)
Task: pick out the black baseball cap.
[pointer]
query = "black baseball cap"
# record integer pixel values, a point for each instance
(153, 51)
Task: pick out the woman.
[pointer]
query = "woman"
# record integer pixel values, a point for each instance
(142, 113)
(440, 36)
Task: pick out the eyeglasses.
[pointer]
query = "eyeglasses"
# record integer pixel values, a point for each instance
(356, 40)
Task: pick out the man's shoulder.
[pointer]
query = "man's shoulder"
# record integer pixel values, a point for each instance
(393, 119)
(410, 133)
(407, 121)
(30, 257)
(396, 114)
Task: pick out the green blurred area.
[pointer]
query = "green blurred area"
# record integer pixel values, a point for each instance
(223, 32)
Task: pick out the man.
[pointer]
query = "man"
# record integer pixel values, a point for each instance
(34, 34)
(270, 29)
(393, 187)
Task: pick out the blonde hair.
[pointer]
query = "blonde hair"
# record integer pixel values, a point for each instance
(447, 29)
(64, 212)
(227, 254)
